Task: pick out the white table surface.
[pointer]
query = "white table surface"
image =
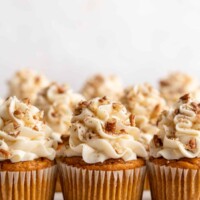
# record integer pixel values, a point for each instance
(146, 196)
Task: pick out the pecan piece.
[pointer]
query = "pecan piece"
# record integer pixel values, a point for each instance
(185, 97)
(4, 153)
(157, 141)
(132, 119)
(110, 126)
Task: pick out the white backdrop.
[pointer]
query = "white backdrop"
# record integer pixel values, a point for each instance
(139, 40)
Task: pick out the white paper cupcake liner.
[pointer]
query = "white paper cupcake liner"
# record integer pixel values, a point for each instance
(82, 184)
(174, 183)
(30, 185)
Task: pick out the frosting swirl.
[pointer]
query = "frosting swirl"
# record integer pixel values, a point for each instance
(99, 86)
(58, 103)
(179, 131)
(26, 83)
(146, 104)
(177, 84)
(102, 130)
(23, 134)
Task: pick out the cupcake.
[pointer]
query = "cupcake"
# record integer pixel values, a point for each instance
(100, 86)
(104, 158)
(27, 153)
(174, 165)
(58, 103)
(176, 85)
(26, 83)
(145, 104)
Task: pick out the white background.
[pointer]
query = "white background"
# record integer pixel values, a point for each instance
(68, 40)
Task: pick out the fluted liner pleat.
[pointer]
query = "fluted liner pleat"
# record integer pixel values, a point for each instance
(169, 183)
(82, 184)
(30, 185)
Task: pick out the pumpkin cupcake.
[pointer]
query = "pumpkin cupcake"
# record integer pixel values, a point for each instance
(26, 83)
(177, 84)
(104, 158)
(145, 104)
(100, 86)
(58, 103)
(174, 165)
(27, 153)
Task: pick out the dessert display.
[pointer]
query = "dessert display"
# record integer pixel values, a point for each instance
(27, 152)
(100, 86)
(108, 141)
(26, 83)
(176, 85)
(58, 103)
(174, 163)
(104, 153)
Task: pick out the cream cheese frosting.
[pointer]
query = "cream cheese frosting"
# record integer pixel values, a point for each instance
(58, 102)
(179, 131)
(101, 130)
(26, 83)
(146, 104)
(23, 134)
(177, 84)
(99, 86)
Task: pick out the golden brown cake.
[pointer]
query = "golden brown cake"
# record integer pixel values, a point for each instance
(174, 166)
(27, 152)
(104, 151)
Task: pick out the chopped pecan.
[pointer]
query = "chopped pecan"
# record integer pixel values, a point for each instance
(4, 153)
(164, 83)
(60, 89)
(14, 134)
(17, 112)
(36, 128)
(185, 97)
(192, 144)
(176, 111)
(132, 119)
(103, 100)
(157, 141)
(196, 107)
(156, 111)
(37, 79)
(110, 126)
(26, 101)
(122, 131)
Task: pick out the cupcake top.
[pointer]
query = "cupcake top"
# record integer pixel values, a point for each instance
(179, 131)
(101, 130)
(58, 103)
(26, 83)
(146, 104)
(177, 84)
(99, 86)
(23, 134)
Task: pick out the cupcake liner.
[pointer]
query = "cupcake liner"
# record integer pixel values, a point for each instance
(30, 185)
(83, 184)
(146, 181)
(173, 183)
